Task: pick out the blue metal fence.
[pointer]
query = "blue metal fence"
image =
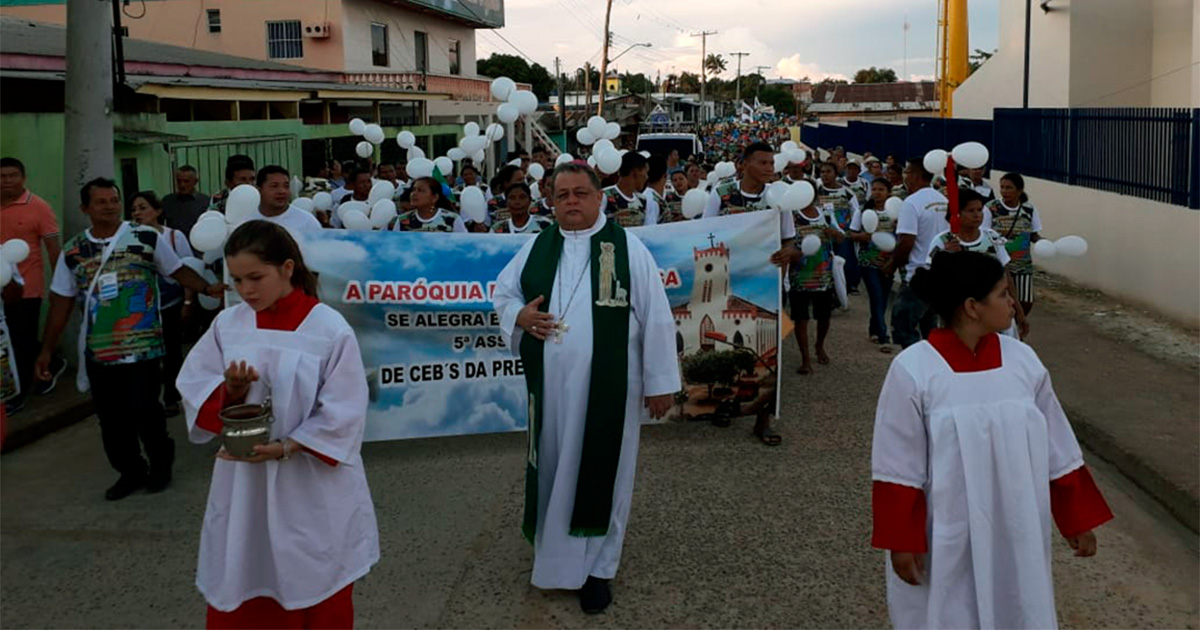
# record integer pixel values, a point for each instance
(1152, 153)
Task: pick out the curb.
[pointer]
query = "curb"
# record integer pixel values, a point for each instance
(37, 430)
(1180, 502)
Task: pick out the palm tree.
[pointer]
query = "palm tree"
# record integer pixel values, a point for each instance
(715, 64)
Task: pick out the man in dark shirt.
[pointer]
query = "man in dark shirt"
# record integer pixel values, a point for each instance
(185, 205)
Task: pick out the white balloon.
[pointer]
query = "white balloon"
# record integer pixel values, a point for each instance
(726, 169)
(514, 162)
(585, 137)
(597, 125)
(213, 256)
(352, 206)
(297, 187)
(382, 189)
(364, 149)
(373, 133)
(810, 245)
(420, 167)
(507, 112)
(406, 139)
(415, 153)
(525, 101)
(622, 152)
(1045, 248)
(208, 235)
(1071, 246)
(712, 178)
(478, 157)
(799, 196)
(355, 220)
(788, 146)
(781, 162)
(537, 171)
(304, 203)
(210, 213)
(970, 155)
(797, 156)
(564, 159)
(609, 162)
(323, 201)
(502, 88)
(885, 241)
(935, 162)
(207, 302)
(495, 132)
(870, 221)
(471, 129)
(456, 154)
(382, 213)
(694, 203)
(603, 144)
(445, 165)
(591, 161)
(774, 193)
(193, 263)
(14, 251)
(474, 144)
(473, 205)
(612, 131)
(241, 204)
(892, 207)
(6, 274)
(357, 126)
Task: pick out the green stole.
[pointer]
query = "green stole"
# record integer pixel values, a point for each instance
(605, 422)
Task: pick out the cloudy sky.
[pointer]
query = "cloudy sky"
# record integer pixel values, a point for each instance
(796, 38)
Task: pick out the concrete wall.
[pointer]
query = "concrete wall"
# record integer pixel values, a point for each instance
(1138, 250)
(1174, 49)
(402, 23)
(243, 29)
(1110, 48)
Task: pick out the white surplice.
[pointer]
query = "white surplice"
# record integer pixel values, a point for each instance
(562, 561)
(300, 530)
(983, 446)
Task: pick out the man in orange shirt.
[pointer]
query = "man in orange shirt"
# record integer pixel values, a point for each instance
(28, 217)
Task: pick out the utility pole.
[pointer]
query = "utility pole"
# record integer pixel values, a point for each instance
(759, 71)
(604, 57)
(88, 145)
(587, 86)
(703, 35)
(738, 90)
(562, 98)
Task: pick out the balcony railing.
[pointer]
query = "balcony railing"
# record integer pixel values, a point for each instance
(459, 88)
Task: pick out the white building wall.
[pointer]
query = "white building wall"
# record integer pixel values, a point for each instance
(1175, 54)
(402, 23)
(1111, 46)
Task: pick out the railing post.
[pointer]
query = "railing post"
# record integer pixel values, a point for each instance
(1072, 146)
(1194, 177)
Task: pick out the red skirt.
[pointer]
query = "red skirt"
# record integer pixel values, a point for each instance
(259, 613)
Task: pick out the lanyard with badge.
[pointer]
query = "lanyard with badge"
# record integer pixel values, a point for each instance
(107, 287)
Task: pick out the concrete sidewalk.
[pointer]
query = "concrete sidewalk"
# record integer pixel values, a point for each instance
(43, 415)
(1131, 401)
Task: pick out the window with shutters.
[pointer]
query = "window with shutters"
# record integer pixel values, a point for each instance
(214, 20)
(284, 40)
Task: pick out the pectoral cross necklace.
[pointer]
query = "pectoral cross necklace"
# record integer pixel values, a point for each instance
(561, 327)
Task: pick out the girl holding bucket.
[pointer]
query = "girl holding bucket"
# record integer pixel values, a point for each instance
(290, 525)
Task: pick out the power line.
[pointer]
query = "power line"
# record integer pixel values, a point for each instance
(465, 6)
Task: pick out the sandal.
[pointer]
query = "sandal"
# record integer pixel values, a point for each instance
(886, 349)
(768, 436)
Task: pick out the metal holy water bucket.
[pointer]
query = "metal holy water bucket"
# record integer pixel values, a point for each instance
(245, 426)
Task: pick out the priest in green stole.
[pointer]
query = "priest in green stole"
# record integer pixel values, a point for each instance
(584, 306)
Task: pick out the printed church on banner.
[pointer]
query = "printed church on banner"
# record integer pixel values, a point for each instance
(715, 314)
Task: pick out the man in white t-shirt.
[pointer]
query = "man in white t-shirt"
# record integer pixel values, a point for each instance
(275, 205)
(922, 217)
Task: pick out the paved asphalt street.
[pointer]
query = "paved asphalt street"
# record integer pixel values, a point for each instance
(725, 532)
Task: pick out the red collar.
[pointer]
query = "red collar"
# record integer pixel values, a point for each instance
(288, 313)
(960, 358)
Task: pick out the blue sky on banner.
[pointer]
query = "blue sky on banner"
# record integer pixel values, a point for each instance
(813, 38)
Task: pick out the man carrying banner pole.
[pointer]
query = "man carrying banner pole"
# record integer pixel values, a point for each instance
(588, 284)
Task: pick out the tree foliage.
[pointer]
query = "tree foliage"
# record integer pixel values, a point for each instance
(689, 83)
(875, 75)
(636, 83)
(715, 64)
(977, 59)
(519, 70)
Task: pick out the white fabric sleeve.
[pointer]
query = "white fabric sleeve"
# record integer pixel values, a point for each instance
(652, 210)
(1065, 454)
(856, 221)
(854, 205)
(339, 418)
(460, 225)
(987, 218)
(935, 246)
(660, 365)
(63, 282)
(165, 258)
(508, 300)
(713, 209)
(899, 447)
(908, 222)
(182, 247)
(202, 373)
(787, 225)
(1037, 221)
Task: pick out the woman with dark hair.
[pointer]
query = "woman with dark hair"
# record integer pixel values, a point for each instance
(289, 529)
(174, 301)
(498, 205)
(431, 210)
(1018, 222)
(470, 177)
(871, 260)
(519, 220)
(973, 459)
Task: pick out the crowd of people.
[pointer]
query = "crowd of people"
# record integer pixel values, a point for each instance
(724, 139)
(960, 309)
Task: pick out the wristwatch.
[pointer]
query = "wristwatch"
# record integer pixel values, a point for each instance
(286, 455)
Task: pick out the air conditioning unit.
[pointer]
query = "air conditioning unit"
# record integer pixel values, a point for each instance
(316, 30)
